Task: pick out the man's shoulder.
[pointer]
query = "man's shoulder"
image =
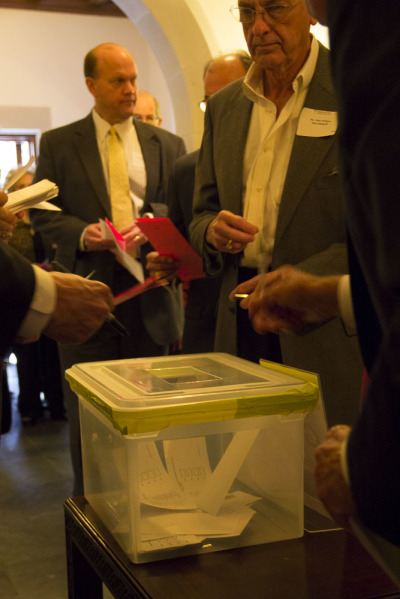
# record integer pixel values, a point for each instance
(229, 98)
(323, 67)
(70, 128)
(229, 92)
(162, 134)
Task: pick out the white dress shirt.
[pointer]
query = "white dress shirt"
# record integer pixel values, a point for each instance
(133, 154)
(267, 153)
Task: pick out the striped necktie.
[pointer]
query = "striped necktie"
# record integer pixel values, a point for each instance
(121, 202)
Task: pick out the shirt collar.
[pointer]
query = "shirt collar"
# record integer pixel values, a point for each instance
(253, 86)
(102, 126)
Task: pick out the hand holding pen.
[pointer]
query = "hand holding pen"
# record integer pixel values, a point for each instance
(80, 309)
(110, 319)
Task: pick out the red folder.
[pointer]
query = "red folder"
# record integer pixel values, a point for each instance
(167, 241)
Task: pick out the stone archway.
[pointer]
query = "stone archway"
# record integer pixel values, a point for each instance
(182, 37)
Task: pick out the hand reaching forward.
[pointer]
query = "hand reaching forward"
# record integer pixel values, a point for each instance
(288, 299)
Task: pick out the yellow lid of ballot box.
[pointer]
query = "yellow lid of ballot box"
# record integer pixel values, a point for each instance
(150, 394)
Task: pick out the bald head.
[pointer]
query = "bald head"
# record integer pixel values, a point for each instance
(104, 52)
(223, 70)
(111, 74)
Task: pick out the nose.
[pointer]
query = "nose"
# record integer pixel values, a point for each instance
(260, 23)
(129, 87)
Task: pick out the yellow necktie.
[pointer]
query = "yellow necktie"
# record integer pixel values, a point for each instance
(121, 203)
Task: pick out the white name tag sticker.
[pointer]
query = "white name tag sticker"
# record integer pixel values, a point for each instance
(317, 123)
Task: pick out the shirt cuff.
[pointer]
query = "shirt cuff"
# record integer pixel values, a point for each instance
(345, 303)
(42, 305)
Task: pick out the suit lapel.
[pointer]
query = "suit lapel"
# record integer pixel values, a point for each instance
(150, 147)
(87, 149)
(308, 152)
(235, 126)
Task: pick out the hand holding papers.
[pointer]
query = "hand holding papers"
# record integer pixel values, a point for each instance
(166, 239)
(108, 231)
(34, 196)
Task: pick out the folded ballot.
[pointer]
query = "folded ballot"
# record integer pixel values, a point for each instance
(34, 196)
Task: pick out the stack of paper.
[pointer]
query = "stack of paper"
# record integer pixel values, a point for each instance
(36, 195)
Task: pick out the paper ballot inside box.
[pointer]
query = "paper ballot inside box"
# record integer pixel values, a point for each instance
(192, 502)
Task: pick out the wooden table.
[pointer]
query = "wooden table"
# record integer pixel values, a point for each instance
(323, 565)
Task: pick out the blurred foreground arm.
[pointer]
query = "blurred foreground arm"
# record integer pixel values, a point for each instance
(332, 487)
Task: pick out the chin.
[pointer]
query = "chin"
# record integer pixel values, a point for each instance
(126, 115)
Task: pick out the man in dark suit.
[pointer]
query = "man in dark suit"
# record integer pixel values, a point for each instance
(76, 158)
(65, 307)
(357, 469)
(267, 183)
(202, 294)
(369, 98)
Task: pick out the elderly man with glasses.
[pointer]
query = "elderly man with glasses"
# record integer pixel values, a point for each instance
(267, 193)
(147, 109)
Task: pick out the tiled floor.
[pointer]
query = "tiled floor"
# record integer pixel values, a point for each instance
(35, 479)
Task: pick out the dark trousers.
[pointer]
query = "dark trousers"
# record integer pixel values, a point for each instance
(39, 370)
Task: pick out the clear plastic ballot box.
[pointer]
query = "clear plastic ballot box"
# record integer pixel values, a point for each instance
(193, 453)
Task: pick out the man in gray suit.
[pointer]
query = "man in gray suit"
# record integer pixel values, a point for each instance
(76, 158)
(267, 186)
(202, 295)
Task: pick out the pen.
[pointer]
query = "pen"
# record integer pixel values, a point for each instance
(111, 319)
(118, 326)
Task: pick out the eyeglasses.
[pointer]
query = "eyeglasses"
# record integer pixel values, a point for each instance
(148, 118)
(277, 13)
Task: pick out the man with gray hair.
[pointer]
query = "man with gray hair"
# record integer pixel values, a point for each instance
(267, 186)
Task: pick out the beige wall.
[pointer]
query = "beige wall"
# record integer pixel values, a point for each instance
(41, 66)
(42, 55)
